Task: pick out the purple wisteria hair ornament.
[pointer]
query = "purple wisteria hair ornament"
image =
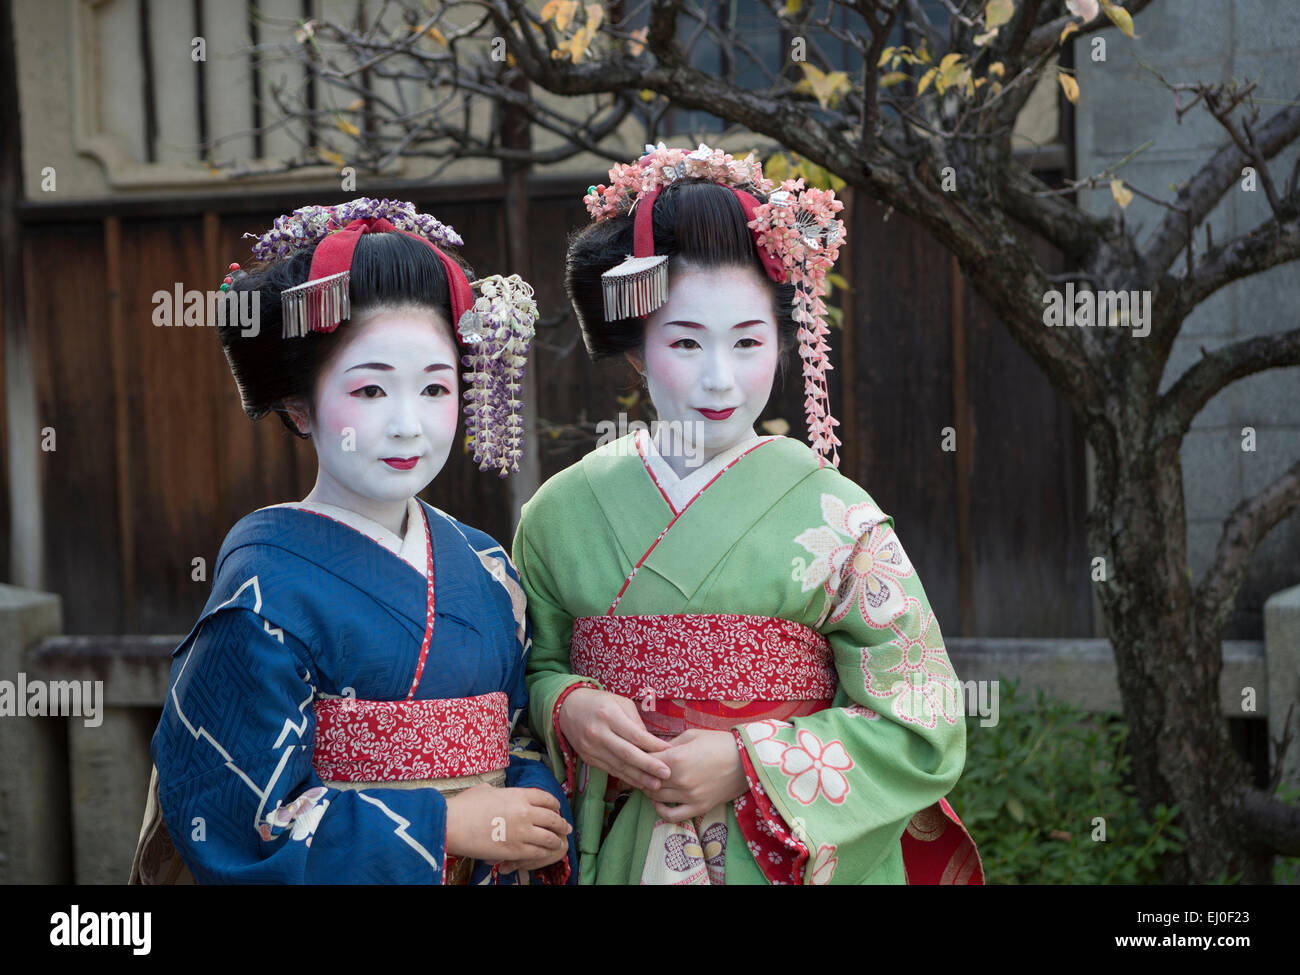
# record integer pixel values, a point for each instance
(494, 331)
(796, 231)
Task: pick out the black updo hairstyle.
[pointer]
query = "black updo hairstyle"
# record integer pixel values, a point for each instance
(388, 270)
(696, 222)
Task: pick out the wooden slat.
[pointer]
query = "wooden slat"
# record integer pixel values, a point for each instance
(964, 435)
(124, 450)
(68, 314)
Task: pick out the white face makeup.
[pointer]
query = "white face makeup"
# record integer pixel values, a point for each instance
(386, 411)
(710, 356)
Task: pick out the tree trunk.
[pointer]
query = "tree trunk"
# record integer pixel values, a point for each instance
(1168, 671)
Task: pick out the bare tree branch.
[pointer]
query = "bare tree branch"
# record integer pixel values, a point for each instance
(1202, 192)
(1198, 385)
(1267, 246)
(1245, 528)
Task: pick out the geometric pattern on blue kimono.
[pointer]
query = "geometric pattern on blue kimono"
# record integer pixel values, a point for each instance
(305, 606)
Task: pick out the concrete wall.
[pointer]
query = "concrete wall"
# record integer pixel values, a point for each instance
(1121, 106)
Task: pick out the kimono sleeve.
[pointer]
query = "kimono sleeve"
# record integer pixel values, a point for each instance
(837, 788)
(528, 770)
(237, 788)
(550, 678)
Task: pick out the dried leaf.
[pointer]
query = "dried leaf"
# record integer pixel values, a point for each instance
(998, 12)
(826, 87)
(1122, 194)
(348, 127)
(1119, 17)
(1070, 85)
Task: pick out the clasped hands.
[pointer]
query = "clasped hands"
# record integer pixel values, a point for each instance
(684, 777)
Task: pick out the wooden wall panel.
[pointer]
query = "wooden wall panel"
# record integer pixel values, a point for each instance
(1029, 490)
(901, 372)
(67, 302)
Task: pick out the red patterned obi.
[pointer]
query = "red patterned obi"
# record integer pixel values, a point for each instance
(704, 657)
(390, 741)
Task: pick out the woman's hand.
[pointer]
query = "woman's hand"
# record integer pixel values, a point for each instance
(521, 826)
(606, 731)
(706, 770)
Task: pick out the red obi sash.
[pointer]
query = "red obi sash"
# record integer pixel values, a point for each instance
(703, 657)
(720, 670)
(386, 741)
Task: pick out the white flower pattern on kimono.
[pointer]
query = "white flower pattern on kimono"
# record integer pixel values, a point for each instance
(913, 670)
(813, 768)
(824, 863)
(858, 560)
(767, 746)
(303, 814)
(830, 544)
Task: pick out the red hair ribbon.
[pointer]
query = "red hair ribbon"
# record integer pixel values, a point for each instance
(320, 303)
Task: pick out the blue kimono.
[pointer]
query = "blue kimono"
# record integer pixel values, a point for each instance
(303, 609)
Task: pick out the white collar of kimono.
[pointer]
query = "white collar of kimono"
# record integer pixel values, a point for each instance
(681, 490)
(410, 548)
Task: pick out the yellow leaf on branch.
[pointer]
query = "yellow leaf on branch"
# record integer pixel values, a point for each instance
(578, 48)
(348, 127)
(1070, 28)
(636, 41)
(562, 11)
(893, 78)
(997, 69)
(826, 87)
(997, 13)
(1120, 17)
(951, 72)
(329, 156)
(1122, 194)
(431, 32)
(1070, 86)
(595, 17)
(925, 80)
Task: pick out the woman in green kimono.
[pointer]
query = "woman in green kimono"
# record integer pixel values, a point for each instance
(734, 664)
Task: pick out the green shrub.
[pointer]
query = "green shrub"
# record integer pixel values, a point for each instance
(1035, 784)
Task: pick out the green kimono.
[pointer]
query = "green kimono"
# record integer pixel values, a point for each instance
(713, 606)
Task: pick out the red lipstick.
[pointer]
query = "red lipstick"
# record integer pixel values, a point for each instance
(717, 414)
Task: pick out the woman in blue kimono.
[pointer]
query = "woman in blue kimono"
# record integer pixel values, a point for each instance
(344, 709)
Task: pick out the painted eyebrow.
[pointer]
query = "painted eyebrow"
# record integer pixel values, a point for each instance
(756, 321)
(384, 366)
